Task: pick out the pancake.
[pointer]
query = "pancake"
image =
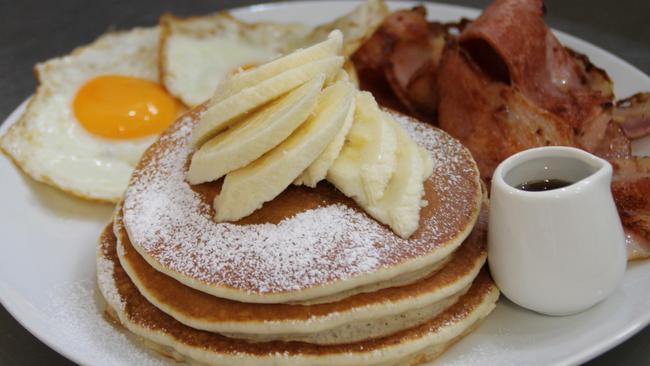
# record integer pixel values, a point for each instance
(362, 316)
(162, 332)
(306, 244)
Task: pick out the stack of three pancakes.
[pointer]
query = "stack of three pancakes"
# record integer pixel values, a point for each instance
(307, 279)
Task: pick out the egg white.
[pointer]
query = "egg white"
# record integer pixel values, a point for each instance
(50, 145)
(198, 52)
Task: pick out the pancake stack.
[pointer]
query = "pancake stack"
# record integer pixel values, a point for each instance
(307, 279)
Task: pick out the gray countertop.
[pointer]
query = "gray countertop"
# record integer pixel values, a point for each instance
(33, 30)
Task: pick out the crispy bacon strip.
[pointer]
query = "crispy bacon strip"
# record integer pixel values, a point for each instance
(513, 44)
(492, 119)
(638, 247)
(614, 144)
(401, 58)
(631, 188)
(633, 115)
(596, 78)
(603, 137)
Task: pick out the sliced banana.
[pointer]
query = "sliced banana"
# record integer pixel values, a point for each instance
(351, 72)
(246, 189)
(317, 171)
(223, 114)
(367, 161)
(275, 124)
(399, 208)
(248, 140)
(332, 46)
(342, 75)
(427, 163)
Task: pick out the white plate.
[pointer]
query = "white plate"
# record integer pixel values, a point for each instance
(47, 266)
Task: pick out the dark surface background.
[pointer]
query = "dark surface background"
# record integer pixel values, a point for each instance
(33, 31)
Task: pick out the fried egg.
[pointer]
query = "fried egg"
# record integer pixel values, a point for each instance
(94, 113)
(199, 51)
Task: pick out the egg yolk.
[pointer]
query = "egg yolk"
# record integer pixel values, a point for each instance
(123, 107)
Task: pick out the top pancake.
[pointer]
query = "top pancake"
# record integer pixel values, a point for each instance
(306, 243)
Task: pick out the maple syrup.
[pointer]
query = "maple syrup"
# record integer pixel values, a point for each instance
(543, 185)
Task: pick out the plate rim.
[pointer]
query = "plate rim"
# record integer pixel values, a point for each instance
(13, 307)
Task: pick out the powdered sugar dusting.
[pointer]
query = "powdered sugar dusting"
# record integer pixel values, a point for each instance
(77, 317)
(451, 160)
(173, 224)
(105, 281)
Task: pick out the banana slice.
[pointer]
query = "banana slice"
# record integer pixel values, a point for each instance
(332, 46)
(246, 189)
(342, 75)
(248, 140)
(317, 171)
(223, 114)
(400, 206)
(427, 163)
(351, 72)
(367, 161)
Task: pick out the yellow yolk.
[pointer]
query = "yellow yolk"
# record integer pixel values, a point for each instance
(123, 107)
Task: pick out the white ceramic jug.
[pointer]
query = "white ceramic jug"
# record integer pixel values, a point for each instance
(558, 251)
